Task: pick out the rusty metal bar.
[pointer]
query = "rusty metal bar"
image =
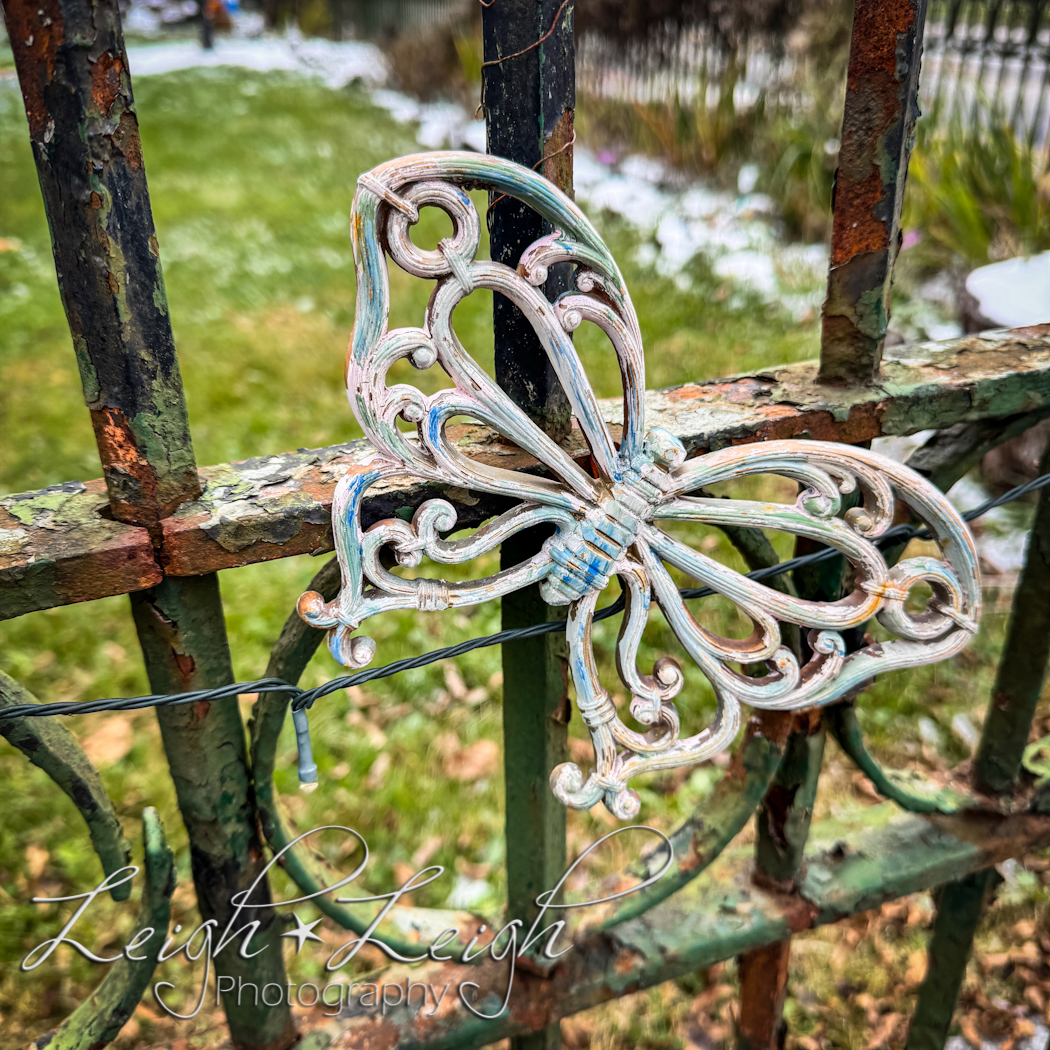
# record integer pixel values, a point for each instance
(884, 855)
(529, 97)
(878, 127)
(73, 71)
(782, 822)
(57, 548)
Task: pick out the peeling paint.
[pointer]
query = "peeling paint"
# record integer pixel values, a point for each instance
(279, 506)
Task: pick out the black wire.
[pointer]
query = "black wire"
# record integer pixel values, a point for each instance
(304, 698)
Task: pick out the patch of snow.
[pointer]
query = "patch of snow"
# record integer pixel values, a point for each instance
(754, 270)
(966, 731)
(468, 893)
(141, 20)
(1000, 543)
(336, 63)
(1038, 1040)
(899, 449)
(1015, 292)
(747, 178)
(679, 220)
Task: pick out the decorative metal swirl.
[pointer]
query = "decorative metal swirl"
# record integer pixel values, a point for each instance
(606, 523)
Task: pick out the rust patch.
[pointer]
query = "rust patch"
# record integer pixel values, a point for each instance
(126, 139)
(627, 960)
(763, 976)
(873, 45)
(743, 391)
(37, 32)
(1034, 331)
(775, 726)
(863, 423)
(557, 151)
(867, 176)
(186, 664)
(857, 229)
(123, 462)
(372, 1034)
(106, 73)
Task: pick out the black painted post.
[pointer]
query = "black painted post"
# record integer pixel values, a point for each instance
(73, 71)
(529, 95)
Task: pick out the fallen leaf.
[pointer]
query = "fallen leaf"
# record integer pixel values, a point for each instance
(576, 1032)
(454, 682)
(114, 651)
(580, 750)
(916, 967)
(883, 1031)
(480, 759)
(445, 744)
(970, 1033)
(376, 736)
(36, 860)
(378, 770)
(422, 857)
(110, 742)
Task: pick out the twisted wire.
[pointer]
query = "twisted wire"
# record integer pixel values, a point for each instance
(305, 698)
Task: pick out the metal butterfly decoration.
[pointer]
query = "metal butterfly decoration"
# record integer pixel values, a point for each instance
(606, 524)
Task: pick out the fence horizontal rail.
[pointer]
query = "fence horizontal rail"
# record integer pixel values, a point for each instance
(57, 548)
(851, 865)
(305, 698)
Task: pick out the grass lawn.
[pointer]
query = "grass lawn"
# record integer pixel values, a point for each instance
(252, 178)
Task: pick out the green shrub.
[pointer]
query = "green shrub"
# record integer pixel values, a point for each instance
(976, 194)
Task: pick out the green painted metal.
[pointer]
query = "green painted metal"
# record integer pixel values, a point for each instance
(73, 70)
(100, 1017)
(783, 819)
(997, 766)
(52, 747)
(700, 912)
(1022, 665)
(993, 378)
(712, 826)
(960, 905)
(182, 632)
(909, 789)
(879, 855)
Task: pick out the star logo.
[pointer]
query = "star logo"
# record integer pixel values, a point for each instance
(303, 932)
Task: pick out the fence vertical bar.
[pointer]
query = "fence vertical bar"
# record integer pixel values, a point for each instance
(959, 908)
(878, 126)
(997, 764)
(73, 70)
(529, 96)
(1022, 665)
